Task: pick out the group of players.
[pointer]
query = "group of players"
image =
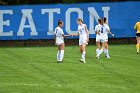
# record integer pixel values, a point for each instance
(102, 30)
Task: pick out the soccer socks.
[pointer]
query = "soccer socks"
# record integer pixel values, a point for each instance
(61, 55)
(137, 47)
(107, 52)
(97, 51)
(83, 55)
(58, 56)
(100, 52)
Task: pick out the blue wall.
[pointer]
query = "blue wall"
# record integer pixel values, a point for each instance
(122, 17)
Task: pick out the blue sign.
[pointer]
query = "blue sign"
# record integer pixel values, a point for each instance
(39, 21)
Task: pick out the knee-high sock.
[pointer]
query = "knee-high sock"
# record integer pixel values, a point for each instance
(61, 55)
(105, 52)
(58, 56)
(97, 51)
(100, 52)
(83, 55)
(137, 47)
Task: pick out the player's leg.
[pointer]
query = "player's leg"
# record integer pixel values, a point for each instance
(62, 46)
(106, 50)
(138, 44)
(97, 47)
(101, 50)
(58, 54)
(83, 55)
(81, 51)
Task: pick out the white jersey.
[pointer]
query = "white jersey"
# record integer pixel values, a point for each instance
(103, 30)
(83, 36)
(82, 31)
(107, 27)
(59, 38)
(97, 35)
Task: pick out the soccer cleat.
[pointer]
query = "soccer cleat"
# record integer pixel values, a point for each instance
(108, 57)
(84, 62)
(137, 52)
(97, 57)
(59, 61)
(81, 60)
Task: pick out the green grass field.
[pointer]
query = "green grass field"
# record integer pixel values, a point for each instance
(34, 70)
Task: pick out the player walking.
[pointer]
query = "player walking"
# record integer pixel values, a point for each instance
(103, 32)
(83, 34)
(137, 27)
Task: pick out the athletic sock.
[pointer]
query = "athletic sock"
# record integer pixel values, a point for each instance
(137, 47)
(61, 55)
(100, 52)
(97, 51)
(83, 55)
(58, 56)
(105, 52)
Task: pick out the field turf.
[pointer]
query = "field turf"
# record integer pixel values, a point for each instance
(35, 70)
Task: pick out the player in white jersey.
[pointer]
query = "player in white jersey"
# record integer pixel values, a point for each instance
(59, 41)
(103, 32)
(83, 34)
(98, 39)
(106, 52)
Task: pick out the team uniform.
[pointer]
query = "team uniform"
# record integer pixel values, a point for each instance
(137, 27)
(59, 40)
(82, 34)
(103, 32)
(98, 39)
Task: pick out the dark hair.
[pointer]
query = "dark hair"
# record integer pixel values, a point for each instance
(102, 21)
(99, 20)
(59, 22)
(105, 19)
(79, 19)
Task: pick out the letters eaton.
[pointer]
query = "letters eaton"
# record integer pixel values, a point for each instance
(27, 16)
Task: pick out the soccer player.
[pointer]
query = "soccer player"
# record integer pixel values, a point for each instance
(98, 40)
(137, 28)
(59, 41)
(106, 52)
(83, 34)
(103, 32)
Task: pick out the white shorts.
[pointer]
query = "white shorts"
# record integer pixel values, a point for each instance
(104, 40)
(83, 41)
(58, 43)
(98, 39)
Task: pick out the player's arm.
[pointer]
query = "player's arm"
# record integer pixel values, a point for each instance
(77, 34)
(54, 39)
(96, 30)
(87, 32)
(110, 32)
(67, 35)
